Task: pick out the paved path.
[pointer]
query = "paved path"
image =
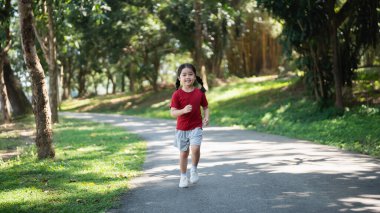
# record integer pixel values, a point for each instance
(246, 171)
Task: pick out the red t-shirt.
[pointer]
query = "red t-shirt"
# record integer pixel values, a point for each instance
(192, 119)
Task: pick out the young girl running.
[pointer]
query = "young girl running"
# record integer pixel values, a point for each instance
(186, 107)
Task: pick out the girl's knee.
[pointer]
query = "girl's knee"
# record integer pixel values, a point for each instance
(184, 154)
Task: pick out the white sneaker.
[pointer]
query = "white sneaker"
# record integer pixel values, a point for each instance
(183, 182)
(194, 178)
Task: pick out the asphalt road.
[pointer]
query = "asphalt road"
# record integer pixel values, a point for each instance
(247, 171)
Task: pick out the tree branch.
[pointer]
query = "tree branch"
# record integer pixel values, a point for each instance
(345, 11)
(43, 47)
(8, 43)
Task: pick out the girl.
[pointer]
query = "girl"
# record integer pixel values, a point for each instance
(185, 106)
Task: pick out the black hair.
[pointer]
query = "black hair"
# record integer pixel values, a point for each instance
(190, 66)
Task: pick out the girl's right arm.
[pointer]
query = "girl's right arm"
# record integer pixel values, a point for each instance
(178, 112)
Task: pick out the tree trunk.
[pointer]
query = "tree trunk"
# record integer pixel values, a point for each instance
(156, 68)
(67, 76)
(82, 81)
(132, 84)
(110, 79)
(199, 62)
(113, 86)
(70, 70)
(122, 82)
(41, 109)
(17, 98)
(336, 65)
(132, 78)
(3, 92)
(53, 71)
(3, 51)
(264, 51)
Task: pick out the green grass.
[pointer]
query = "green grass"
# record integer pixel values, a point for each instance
(274, 106)
(275, 112)
(148, 104)
(92, 167)
(13, 136)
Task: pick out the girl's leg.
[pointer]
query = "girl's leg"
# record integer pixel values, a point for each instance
(195, 154)
(183, 161)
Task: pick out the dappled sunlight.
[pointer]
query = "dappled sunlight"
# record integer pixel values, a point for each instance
(361, 203)
(81, 128)
(29, 194)
(90, 149)
(74, 104)
(90, 104)
(237, 92)
(285, 195)
(260, 78)
(283, 108)
(91, 169)
(120, 99)
(161, 104)
(283, 158)
(277, 173)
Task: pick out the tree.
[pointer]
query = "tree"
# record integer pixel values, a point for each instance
(326, 34)
(198, 38)
(5, 108)
(3, 52)
(48, 46)
(14, 91)
(41, 108)
(253, 46)
(17, 98)
(150, 44)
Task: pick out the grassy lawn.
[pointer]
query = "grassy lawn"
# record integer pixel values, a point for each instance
(93, 165)
(17, 134)
(277, 106)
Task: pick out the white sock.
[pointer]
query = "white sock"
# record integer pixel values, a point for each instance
(193, 168)
(183, 174)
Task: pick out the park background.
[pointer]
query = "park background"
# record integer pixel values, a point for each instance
(304, 69)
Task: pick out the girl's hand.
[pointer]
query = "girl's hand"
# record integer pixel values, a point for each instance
(187, 109)
(205, 121)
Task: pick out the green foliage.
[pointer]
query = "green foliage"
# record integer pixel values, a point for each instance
(92, 167)
(367, 85)
(309, 27)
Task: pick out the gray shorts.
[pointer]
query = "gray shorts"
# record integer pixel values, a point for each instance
(183, 139)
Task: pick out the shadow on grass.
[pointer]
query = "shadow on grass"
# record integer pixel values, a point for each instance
(92, 167)
(136, 103)
(276, 111)
(247, 171)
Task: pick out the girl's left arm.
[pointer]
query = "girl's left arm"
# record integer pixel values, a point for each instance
(206, 118)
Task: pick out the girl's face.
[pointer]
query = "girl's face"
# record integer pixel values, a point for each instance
(187, 77)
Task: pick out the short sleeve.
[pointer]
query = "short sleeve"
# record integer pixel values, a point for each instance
(204, 102)
(175, 101)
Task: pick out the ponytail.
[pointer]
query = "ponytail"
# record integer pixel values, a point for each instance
(177, 84)
(199, 80)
